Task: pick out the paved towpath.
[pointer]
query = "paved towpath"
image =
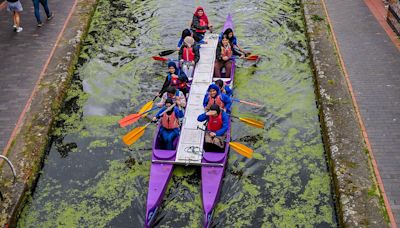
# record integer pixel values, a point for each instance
(23, 57)
(372, 62)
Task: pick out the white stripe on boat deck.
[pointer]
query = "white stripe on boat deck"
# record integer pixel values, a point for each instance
(191, 140)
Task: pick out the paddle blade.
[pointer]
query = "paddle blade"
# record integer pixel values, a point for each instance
(129, 119)
(158, 58)
(252, 57)
(252, 122)
(146, 107)
(241, 149)
(167, 52)
(134, 135)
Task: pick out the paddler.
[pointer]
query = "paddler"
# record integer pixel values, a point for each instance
(224, 55)
(232, 39)
(176, 78)
(189, 55)
(169, 129)
(217, 125)
(214, 96)
(225, 89)
(186, 33)
(200, 22)
(177, 97)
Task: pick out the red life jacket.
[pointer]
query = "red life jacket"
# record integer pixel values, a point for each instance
(217, 100)
(202, 23)
(169, 121)
(214, 123)
(175, 82)
(226, 51)
(188, 54)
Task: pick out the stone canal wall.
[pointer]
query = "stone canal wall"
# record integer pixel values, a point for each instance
(28, 148)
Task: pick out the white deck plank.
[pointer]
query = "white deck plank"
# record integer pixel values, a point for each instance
(191, 139)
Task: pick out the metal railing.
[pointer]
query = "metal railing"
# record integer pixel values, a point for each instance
(13, 171)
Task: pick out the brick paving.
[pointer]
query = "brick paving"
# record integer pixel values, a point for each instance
(22, 58)
(373, 65)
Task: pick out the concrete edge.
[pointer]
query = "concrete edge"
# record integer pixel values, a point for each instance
(29, 145)
(357, 194)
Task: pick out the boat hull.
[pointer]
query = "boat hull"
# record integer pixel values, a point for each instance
(212, 176)
(160, 174)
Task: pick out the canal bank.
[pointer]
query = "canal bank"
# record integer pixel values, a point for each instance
(359, 198)
(236, 173)
(30, 137)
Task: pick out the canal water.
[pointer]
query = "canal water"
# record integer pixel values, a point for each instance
(91, 179)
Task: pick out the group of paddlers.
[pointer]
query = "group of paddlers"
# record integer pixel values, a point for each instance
(217, 101)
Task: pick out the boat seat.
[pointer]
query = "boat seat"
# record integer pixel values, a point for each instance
(214, 157)
(164, 154)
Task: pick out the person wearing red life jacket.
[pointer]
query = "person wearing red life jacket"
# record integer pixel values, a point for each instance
(217, 125)
(232, 38)
(214, 96)
(169, 129)
(200, 22)
(177, 97)
(189, 55)
(175, 78)
(224, 55)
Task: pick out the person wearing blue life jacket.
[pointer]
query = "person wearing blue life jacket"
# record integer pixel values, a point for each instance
(175, 78)
(214, 96)
(188, 32)
(223, 88)
(217, 125)
(169, 128)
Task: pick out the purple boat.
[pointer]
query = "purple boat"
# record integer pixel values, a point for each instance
(212, 176)
(164, 160)
(160, 174)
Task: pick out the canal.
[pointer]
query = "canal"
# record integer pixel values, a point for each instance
(91, 179)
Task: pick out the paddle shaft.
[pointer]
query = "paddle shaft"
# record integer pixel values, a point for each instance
(247, 102)
(168, 109)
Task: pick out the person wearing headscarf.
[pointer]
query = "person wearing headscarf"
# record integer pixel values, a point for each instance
(224, 55)
(189, 55)
(169, 128)
(200, 22)
(217, 125)
(175, 78)
(214, 96)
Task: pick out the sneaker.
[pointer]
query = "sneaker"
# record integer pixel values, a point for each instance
(51, 17)
(40, 24)
(19, 29)
(14, 26)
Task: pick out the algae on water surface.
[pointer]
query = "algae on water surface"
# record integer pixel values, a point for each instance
(92, 179)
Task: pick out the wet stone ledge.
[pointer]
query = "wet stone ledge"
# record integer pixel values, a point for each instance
(358, 199)
(28, 148)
